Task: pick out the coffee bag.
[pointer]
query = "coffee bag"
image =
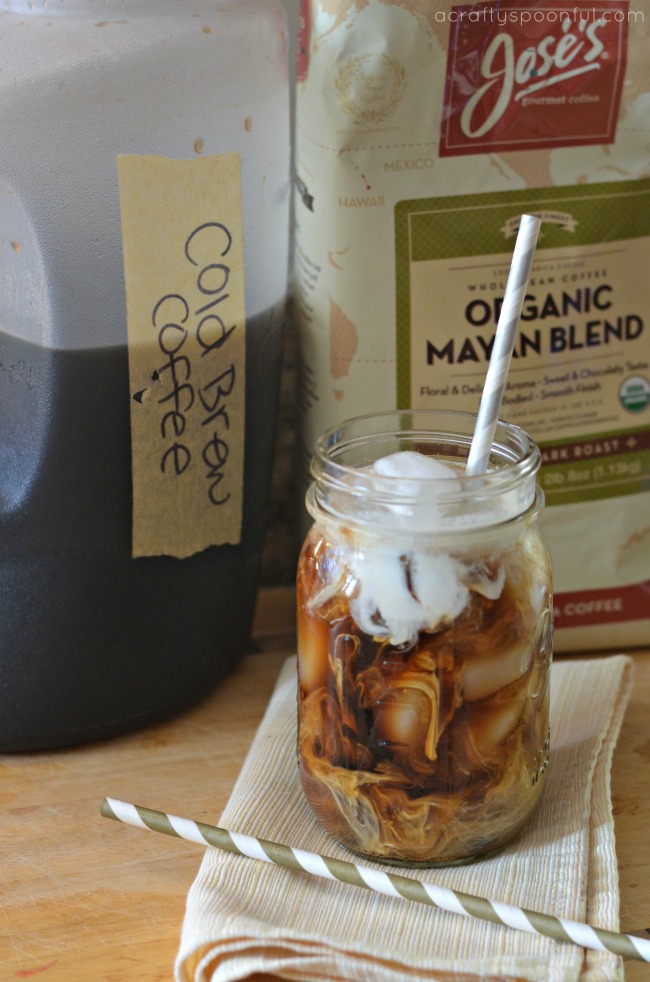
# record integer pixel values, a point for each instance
(423, 132)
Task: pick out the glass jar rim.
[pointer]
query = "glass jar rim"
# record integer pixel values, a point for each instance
(345, 487)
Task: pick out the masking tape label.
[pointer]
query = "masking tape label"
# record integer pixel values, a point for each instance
(184, 275)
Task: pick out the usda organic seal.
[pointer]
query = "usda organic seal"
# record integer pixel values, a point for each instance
(634, 393)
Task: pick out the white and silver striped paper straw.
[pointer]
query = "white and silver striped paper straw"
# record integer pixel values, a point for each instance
(504, 340)
(391, 884)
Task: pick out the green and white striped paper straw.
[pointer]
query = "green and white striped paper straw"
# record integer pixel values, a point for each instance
(504, 340)
(391, 884)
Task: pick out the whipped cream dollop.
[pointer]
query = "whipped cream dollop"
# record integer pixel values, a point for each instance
(403, 587)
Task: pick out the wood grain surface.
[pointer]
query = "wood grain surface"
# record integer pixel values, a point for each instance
(86, 899)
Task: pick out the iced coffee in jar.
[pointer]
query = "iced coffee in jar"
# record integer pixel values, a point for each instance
(424, 639)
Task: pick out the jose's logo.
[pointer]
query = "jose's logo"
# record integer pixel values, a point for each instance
(531, 76)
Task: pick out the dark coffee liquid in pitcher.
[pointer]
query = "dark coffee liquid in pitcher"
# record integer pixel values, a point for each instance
(92, 641)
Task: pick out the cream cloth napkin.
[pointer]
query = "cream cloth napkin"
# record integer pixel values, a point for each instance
(245, 917)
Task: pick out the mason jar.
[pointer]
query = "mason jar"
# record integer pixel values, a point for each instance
(424, 639)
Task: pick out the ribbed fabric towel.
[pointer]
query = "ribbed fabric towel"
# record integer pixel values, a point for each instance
(245, 917)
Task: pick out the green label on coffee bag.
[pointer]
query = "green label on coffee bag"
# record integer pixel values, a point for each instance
(580, 364)
(604, 466)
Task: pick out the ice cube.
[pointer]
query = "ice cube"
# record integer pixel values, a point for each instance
(406, 464)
